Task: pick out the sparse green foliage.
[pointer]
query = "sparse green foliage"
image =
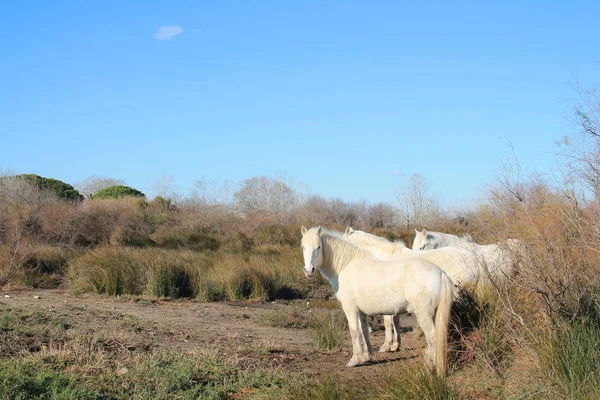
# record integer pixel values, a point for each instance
(117, 192)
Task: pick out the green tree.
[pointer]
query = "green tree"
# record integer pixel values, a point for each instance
(63, 190)
(117, 192)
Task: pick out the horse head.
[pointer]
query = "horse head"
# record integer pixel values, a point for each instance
(424, 241)
(312, 249)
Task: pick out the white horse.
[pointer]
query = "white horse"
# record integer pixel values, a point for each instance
(367, 285)
(498, 259)
(433, 240)
(461, 265)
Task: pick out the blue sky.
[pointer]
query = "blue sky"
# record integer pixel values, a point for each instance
(349, 97)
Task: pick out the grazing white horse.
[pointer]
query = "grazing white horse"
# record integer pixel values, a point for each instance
(498, 259)
(366, 285)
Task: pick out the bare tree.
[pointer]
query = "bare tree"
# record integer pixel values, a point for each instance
(417, 206)
(94, 183)
(20, 204)
(164, 186)
(213, 193)
(315, 209)
(581, 150)
(16, 190)
(382, 215)
(266, 194)
(14, 242)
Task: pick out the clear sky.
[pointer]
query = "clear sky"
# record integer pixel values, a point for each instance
(348, 97)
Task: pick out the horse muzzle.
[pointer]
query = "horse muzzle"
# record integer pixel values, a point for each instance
(310, 272)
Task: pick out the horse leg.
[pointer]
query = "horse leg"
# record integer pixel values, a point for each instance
(358, 354)
(396, 334)
(364, 324)
(425, 321)
(389, 334)
(361, 326)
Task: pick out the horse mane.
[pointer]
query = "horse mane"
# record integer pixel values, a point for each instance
(368, 240)
(338, 252)
(400, 243)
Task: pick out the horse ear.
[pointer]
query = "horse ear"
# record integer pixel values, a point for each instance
(467, 237)
(416, 231)
(303, 230)
(319, 229)
(425, 233)
(349, 231)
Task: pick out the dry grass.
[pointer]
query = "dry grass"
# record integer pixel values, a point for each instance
(183, 273)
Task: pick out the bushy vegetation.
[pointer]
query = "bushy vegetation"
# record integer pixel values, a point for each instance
(117, 192)
(169, 273)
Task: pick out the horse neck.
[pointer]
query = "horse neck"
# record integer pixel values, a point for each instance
(337, 254)
(378, 246)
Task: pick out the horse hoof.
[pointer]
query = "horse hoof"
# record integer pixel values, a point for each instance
(394, 348)
(351, 363)
(384, 349)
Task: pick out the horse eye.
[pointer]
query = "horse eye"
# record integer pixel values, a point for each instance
(318, 247)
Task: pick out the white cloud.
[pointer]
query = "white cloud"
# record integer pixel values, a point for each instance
(167, 32)
(396, 172)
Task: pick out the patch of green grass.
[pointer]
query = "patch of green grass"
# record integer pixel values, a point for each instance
(25, 380)
(29, 331)
(329, 330)
(159, 375)
(570, 359)
(416, 382)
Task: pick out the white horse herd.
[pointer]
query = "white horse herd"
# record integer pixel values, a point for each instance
(371, 275)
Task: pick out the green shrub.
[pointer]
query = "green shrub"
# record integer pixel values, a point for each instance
(63, 190)
(117, 192)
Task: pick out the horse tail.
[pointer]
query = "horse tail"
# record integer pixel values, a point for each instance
(442, 318)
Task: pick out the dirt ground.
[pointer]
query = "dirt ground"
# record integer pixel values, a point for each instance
(232, 330)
